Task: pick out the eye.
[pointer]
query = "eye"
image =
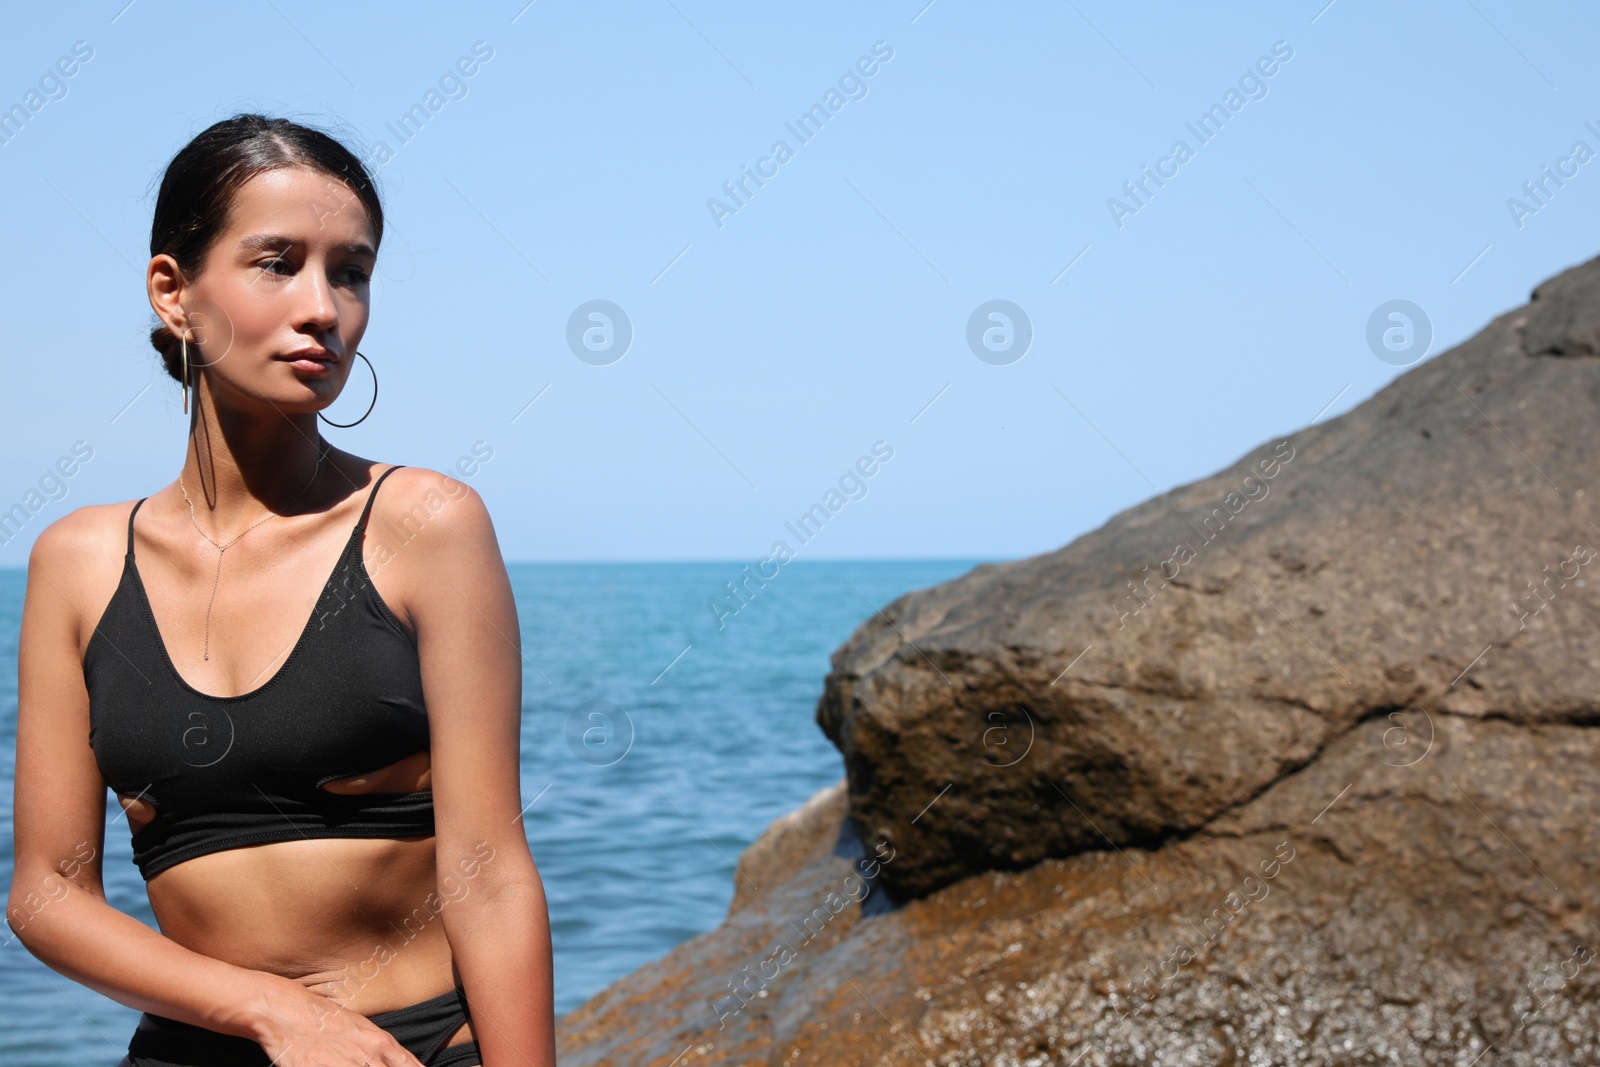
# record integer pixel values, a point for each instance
(358, 276)
(270, 265)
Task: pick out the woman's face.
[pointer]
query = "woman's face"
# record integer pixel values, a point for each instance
(289, 277)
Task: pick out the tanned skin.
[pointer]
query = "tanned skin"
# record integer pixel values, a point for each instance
(293, 943)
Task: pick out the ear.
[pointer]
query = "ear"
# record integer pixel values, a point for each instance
(164, 282)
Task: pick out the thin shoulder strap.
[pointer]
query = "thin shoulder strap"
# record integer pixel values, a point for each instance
(362, 525)
(131, 514)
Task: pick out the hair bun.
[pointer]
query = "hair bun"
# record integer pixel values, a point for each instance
(167, 343)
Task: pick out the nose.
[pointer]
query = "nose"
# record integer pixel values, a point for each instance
(316, 310)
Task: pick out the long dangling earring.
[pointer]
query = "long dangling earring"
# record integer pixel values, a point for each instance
(185, 342)
(347, 425)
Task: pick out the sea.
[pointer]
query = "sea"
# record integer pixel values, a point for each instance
(660, 736)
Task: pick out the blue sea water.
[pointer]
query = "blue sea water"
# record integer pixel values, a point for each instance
(656, 746)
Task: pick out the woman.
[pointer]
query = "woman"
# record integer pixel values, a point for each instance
(325, 810)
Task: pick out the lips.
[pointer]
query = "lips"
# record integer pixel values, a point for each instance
(310, 360)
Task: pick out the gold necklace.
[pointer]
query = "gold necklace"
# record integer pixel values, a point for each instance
(206, 651)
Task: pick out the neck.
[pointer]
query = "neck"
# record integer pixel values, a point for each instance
(237, 467)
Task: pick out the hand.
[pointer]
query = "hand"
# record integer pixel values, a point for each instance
(303, 1028)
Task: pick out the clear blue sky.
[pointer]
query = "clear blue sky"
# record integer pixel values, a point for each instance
(771, 351)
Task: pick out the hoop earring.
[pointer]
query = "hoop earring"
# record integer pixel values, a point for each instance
(185, 343)
(347, 425)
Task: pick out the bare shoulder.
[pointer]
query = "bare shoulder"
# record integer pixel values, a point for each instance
(81, 539)
(429, 540)
(427, 527)
(428, 507)
(76, 561)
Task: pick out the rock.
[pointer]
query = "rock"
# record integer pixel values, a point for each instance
(1361, 911)
(1419, 552)
(697, 995)
(1567, 319)
(1324, 793)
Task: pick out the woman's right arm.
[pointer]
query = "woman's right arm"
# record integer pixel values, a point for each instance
(57, 906)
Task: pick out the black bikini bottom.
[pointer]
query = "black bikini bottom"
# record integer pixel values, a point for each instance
(422, 1028)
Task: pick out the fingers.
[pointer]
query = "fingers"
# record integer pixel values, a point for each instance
(365, 1044)
(399, 1056)
(394, 1054)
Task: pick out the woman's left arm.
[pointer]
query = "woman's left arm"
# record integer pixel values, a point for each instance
(468, 637)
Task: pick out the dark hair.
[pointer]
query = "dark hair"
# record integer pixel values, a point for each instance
(199, 185)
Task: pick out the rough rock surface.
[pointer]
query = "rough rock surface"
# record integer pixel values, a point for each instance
(1389, 549)
(1326, 793)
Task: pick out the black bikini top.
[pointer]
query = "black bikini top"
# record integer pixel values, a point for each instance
(226, 772)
